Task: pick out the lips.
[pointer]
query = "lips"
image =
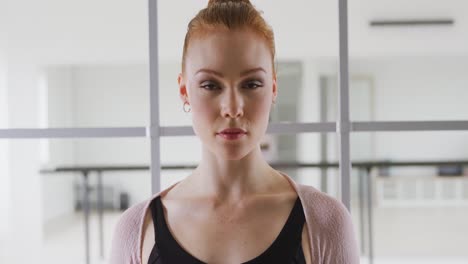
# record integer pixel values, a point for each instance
(229, 131)
(232, 134)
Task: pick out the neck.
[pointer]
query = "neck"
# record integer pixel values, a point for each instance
(232, 180)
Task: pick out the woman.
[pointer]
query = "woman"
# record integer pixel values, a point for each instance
(234, 207)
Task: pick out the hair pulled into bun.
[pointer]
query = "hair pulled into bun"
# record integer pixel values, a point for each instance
(231, 15)
(213, 2)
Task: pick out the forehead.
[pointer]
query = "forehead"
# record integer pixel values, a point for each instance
(228, 50)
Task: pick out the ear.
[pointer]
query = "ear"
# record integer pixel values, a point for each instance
(183, 94)
(275, 88)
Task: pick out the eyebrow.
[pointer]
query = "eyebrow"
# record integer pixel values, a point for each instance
(221, 75)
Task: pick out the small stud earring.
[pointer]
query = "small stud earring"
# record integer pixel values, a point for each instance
(186, 110)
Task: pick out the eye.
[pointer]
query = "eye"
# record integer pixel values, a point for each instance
(253, 84)
(210, 86)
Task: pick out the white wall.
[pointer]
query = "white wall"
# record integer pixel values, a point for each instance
(406, 88)
(61, 113)
(57, 32)
(114, 95)
(420, 88)
(4, 164)
(111, 95)
(437, 84)
(25, 212)
(396, 41)
(309, 111)
(119, 96)
(4, 154)
(53, 31)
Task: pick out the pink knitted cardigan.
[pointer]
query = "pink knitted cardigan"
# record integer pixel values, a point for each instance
(331, 235)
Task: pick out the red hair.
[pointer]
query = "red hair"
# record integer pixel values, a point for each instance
(231, 15)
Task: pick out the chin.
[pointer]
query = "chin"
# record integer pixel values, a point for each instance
(230, 153)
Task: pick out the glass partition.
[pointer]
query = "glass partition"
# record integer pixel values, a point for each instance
(76, 64)
(410, 196)
(50, 213)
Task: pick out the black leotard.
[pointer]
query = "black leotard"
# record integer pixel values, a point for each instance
(286, 249)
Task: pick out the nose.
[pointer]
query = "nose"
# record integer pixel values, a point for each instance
(232, 104)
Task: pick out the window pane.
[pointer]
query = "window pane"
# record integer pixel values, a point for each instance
(42, 212)
(76, 64)
(413, 69)
(419, 213)
(306, 50)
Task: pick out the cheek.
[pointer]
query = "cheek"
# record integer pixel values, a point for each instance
(260, 108)
(203, 108)
(201, 105)
(204, 113)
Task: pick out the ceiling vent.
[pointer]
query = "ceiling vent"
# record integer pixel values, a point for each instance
(411, 22)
